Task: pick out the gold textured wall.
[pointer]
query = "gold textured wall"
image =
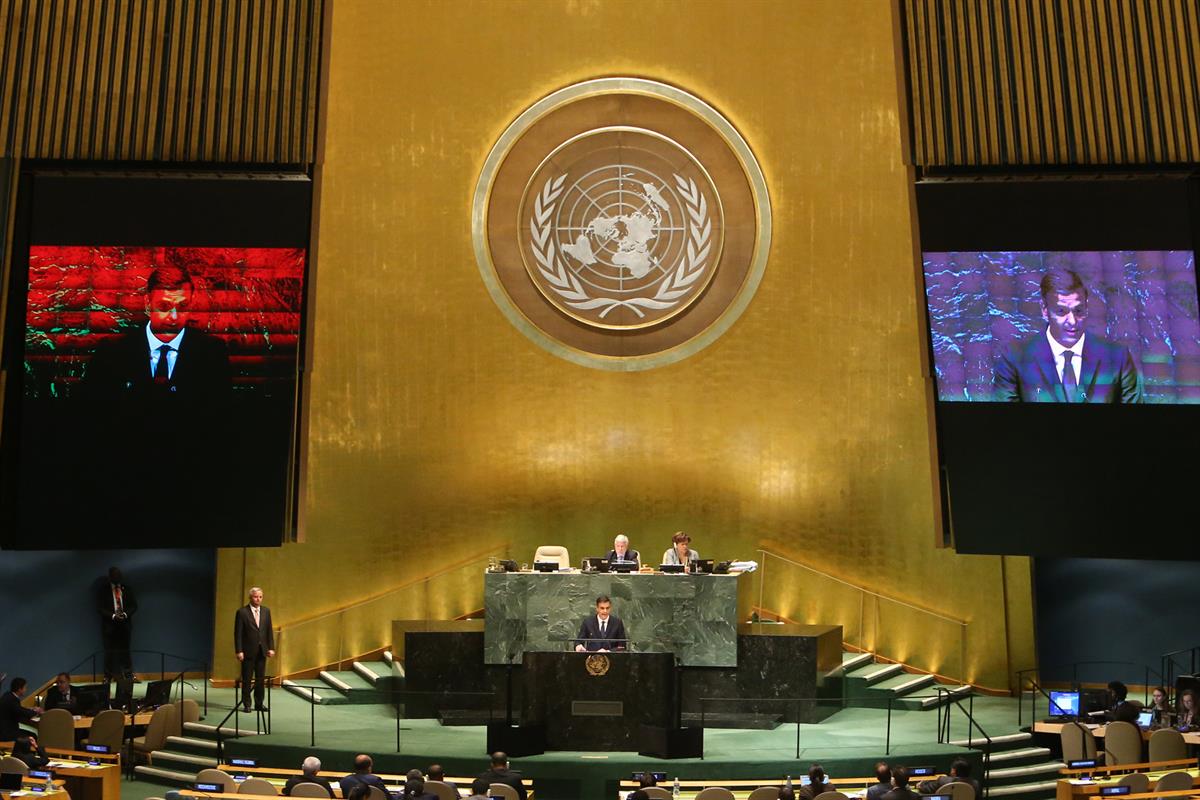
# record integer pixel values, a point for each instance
(438, 432)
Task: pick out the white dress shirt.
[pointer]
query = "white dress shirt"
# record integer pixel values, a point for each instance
(1060, 359)
(172, 355)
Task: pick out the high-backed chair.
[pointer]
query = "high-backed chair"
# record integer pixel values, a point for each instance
(309, 790)
(220, 776)
(164, 721)
(715, 793)
(1078, 742)
(108, 728)
(1173, 781)
(261, 786)
(503, 789)
(553, 552)
(1167, 744)
(958, 790)
(1138, 781)
(827, 796)
(186, 711)
(57, 729)
(765, 793)
(657, 793)
(13, 766)
(377, 794)
(441, 790)
(1122, 744)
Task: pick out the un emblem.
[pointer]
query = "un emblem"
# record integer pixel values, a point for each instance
(597, 665)
(621, 223)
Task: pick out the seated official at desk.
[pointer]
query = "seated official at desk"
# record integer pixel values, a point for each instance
(62, 694)
(1188, 718)
(621, 550)
(1160, 706)
(681, 551)
(1122, 709)
(602, 631)
(27, 749)
(310, 770)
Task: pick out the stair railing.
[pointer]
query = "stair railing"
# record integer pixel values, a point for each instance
(1168, 662)
(871, 605)
(187, 663)
(971, 723)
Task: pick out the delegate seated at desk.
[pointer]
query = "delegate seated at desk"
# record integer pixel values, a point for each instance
(602, 631)
(681, 551)
(622, 552)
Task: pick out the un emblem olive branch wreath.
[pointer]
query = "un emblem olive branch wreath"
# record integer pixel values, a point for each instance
(674, 286)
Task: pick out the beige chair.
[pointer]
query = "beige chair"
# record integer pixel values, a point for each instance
(441, 790)
(1138, 781)
(1078, 742)
(958, 790)
(108, 728)
(1173, 781)
(309, 790)
(503, 789)
(218, 776)
(377, 794)
(262, 786)
(553, 552)
(1122, 744)
(57, 729)
(164, 721)
(715, 793)
(657, 793)
(765, 793)
(186, 711)
(1167, 744)
(828, 796)
(13, 766)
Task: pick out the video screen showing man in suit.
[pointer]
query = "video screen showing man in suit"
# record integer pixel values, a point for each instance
(1064, 364)
(1005, 325)
(603, 631)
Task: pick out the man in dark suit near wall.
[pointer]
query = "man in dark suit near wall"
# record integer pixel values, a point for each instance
(602, 631)
(116, 604)
(12, 713)
(253, 644)
(1065, 364)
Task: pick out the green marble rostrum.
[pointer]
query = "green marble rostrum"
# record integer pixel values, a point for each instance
(694, 616)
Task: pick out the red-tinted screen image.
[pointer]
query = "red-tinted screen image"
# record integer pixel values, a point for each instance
(82, 299)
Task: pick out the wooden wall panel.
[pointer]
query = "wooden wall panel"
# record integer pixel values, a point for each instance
(1053, 82)
(230, 81)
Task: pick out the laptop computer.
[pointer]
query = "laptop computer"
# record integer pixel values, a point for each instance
(1145, 718)
(595, 564)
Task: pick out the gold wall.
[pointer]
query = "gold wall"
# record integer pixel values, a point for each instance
(438, 432)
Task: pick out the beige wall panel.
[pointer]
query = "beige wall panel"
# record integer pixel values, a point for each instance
(439, 433)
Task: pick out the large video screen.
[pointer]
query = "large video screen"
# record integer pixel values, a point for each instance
(153, 360)
(1004, 325)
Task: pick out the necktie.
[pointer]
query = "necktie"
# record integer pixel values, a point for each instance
(1070, 385)
(162, 372)
(117, 598)
(603, 626)
(255, 610)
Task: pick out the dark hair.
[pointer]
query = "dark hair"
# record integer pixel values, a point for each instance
(787, 793)
(499, 758)
(1119, 690)
(680, 537)
(900, 777)
(414, 773)
(603, 599)
(362, 762)
(647, 779)
(883, 773)
(480, 786)
(168, 278)
(359, 791)
(816, 774)
(22, 745)
(1062, 281)
(435, 772)
(414, 787)
(62, 675)
(961, 767)
(17, 684)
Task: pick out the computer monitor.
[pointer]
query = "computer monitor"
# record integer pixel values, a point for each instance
(658, 776)
(158, 693)
(704, 565)
(10, 781)
(92, 699)
(595, 564)
(670, 567)
(623, 566)
(1064, 704)
(1145, 719)
(545, 566)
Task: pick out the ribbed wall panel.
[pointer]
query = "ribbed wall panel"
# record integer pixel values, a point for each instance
(160, 80)
(1053, 82)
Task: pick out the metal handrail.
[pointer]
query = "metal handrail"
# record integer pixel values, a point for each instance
(971, 721)
(188, 662)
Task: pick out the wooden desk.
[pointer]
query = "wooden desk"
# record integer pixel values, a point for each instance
(86, 782)
(141, 718)
(1075, 789)
(58, 794)
(1191, 737)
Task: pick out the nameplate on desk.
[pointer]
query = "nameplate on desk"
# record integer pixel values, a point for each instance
(1083, 763)
(98, 748)
(921, 772)
(42, 774)
(243, 762)
(1108, 791)
(597, 708)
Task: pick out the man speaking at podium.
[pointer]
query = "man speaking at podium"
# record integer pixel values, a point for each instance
(601, 632)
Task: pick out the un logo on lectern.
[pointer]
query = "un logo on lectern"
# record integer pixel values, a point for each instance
(597, 665)
(621, 223)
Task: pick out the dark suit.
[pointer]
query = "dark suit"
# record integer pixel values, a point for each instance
(253, 642)
(1027, 373)
(509, 777)
(296, 780)
(877, 791)
(630, 555)
(120, 369)
(933, 786)
(902, 794)
(612, 639)
(34, 759)
(813, 790)
(115, 633)
(56, 699)
(347, 783)
(12, 713)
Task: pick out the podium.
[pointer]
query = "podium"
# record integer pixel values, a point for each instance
(598, 701)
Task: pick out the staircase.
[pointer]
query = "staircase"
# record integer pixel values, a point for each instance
(368, 682)
(868, 680)
(1017, 769)
(184, 756)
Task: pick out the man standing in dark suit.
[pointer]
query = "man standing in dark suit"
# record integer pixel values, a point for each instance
(253, 643)
(12, 713)
(602, 631)
(116, 604)
(621, 550)
(1063, 364)
(500, 773)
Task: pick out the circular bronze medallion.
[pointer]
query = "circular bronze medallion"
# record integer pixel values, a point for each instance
(597, 665)
(621, 223)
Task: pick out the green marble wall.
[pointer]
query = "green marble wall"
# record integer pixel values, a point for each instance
(694, 616)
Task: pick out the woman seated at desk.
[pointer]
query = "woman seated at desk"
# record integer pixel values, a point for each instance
(1160, 706)
(26, 749)
(1188, 719)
